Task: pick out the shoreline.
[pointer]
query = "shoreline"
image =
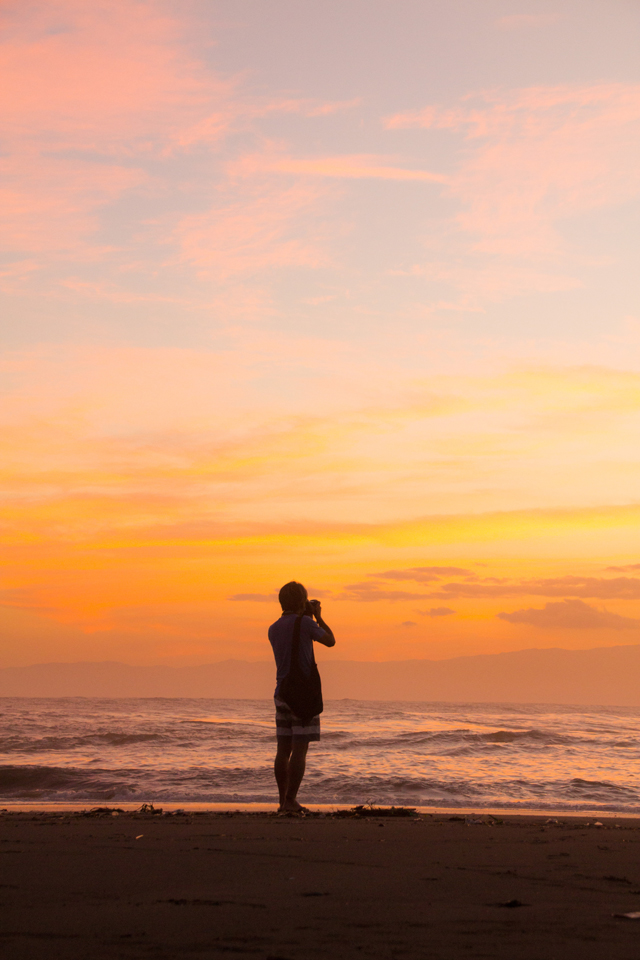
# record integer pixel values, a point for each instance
(314, 808)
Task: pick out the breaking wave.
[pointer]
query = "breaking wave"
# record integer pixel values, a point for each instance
(453, 755)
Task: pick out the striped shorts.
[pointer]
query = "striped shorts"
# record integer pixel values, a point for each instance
(288, 725)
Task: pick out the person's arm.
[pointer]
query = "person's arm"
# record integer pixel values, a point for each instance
(329, 640)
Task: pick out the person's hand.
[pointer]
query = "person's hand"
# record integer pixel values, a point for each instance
(317, 607)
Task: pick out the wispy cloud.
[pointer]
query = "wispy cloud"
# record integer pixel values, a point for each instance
(307, 107)
(437, 612)
(24, 598)
(358, 167)
(535, 156)
(255, 597)
(266, 229)
(89, 95)
(421, 574)
(105, 105)
(368, 593)
(622, 588)
(572, 615)
(477, 587)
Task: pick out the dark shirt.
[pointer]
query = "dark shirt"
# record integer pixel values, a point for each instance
(281, 639)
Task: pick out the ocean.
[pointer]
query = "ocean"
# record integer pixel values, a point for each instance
(510, 756)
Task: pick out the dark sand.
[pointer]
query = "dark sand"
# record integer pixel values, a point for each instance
(259, 886)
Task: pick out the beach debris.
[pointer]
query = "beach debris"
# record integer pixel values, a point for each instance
(634, 915)
(368, 810)
(474, 821)
(140, 836)
(552, 820)
(149, 808)
(598, 824)
(510, 904)
(459, 819)
(102, 812)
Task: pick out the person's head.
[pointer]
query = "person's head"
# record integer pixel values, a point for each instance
(293, 597)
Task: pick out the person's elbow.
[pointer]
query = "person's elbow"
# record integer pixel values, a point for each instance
(329, 640)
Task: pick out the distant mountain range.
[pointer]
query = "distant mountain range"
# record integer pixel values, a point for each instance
(604, 675)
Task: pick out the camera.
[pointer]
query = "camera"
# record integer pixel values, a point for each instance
(310, 607)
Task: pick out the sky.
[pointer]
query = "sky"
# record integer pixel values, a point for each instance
(340, 293)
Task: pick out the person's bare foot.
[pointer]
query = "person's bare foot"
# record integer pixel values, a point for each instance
(292, 806)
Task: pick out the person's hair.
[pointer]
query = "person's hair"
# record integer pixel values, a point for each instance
(292, 596)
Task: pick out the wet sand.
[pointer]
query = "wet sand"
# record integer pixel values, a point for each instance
(261, 886)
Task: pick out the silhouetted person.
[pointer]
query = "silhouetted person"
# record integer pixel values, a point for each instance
(294, 734)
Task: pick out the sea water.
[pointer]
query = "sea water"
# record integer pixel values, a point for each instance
(420, 754)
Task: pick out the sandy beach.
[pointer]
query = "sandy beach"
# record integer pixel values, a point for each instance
(261, 886)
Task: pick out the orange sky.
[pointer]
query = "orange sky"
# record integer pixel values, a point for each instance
(373, 326)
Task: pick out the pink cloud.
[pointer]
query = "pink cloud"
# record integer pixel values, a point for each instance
(90, 92)
(308, 108)
(14, 276)
(101, 101)
(358, 167)
(107, 75)
(268, 226)
(538, 155)
(54, 210)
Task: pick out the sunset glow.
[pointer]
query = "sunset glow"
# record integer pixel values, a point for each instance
(341, 295)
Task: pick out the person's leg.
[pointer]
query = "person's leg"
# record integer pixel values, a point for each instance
(297, 763)
(281, 766)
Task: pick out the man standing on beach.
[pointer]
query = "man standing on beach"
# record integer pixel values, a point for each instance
(294, 735)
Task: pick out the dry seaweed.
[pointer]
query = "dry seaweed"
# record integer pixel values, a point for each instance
(368, 810)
